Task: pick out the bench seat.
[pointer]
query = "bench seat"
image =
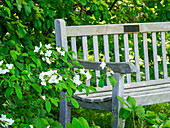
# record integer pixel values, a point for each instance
(145, 93)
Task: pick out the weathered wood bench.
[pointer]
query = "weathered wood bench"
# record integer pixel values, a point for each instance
(150, 90)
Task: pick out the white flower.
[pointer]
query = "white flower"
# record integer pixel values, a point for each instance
(76, 80)
(36, 49)
(1, 62)
(43, 97)
(10, 121)
(48, 60)
(55, 71)
(48, 46)
(48, 53)
(43, 83)
(58, 49)
(40, 44)
(5, 71)
(63, 53)
(3, 117)
(53, 79)
(48, 126)
(41, 53)
(49, 73)
(88, 75)
(60, 78)
(31, 126)
(43, 58)
(82, 71)
(102, 65)
(41, 76)
(9, 66)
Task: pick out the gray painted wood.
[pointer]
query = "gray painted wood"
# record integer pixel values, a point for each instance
(116, 122)
(74, 47)
(116, 48)
(165, 70)
(60, 33)
(154, 45)
(136, 52)
(106, 55)
(115, 28)
(65, 111)
(96, 56)
(126, 47)
(146, 59)
(117, 67)
(85, 53)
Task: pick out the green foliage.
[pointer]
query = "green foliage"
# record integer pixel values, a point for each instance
(80, 123)
(148, 118)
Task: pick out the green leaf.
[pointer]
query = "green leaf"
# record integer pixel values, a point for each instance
(124, 112)
(19, 4)
(37, 87)
(69, 90)
(122, 101)
(77, 63)
(27, 10)
(83, 122)
(131, 101)
(38, 63)
(112, 81)
(13, 54)
(92, 88)
(43, 121)
(101, 83)
(75, 103)
(166, 124)
(8, 92)
(68, 125)
(24, 54)
(34, 59)
(8, 3)
(22, 32)
(48, 106)
(54, 101)
(19, 65)
(83, 2)
(19, 93)
(76, 123)
(8, 11)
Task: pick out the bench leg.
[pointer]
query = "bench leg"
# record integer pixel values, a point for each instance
(65, 111)
(117, 91)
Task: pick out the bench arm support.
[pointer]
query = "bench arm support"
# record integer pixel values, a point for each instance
(117, 67)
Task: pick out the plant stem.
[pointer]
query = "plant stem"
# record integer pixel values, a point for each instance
(133, 119)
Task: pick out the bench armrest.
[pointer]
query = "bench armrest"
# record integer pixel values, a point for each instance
(117, 67)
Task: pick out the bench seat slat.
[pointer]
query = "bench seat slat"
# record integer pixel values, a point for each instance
(155, 89)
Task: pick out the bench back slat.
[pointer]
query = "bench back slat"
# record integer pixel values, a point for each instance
(116, 48)
(154, 45)
(146, 59)
(136, 52)
(164, 55)
(106, 55)
(74, 47)
(85, 53)
(126, 48)
(96, 55)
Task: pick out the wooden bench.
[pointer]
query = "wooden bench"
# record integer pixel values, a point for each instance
(146, 89)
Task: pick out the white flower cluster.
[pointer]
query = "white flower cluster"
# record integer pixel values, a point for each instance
(61, 52)
(82, 71)
(6, 121)
(52, 77)
(4, 71)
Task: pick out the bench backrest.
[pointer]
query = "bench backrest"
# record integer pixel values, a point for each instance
(145, 44)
